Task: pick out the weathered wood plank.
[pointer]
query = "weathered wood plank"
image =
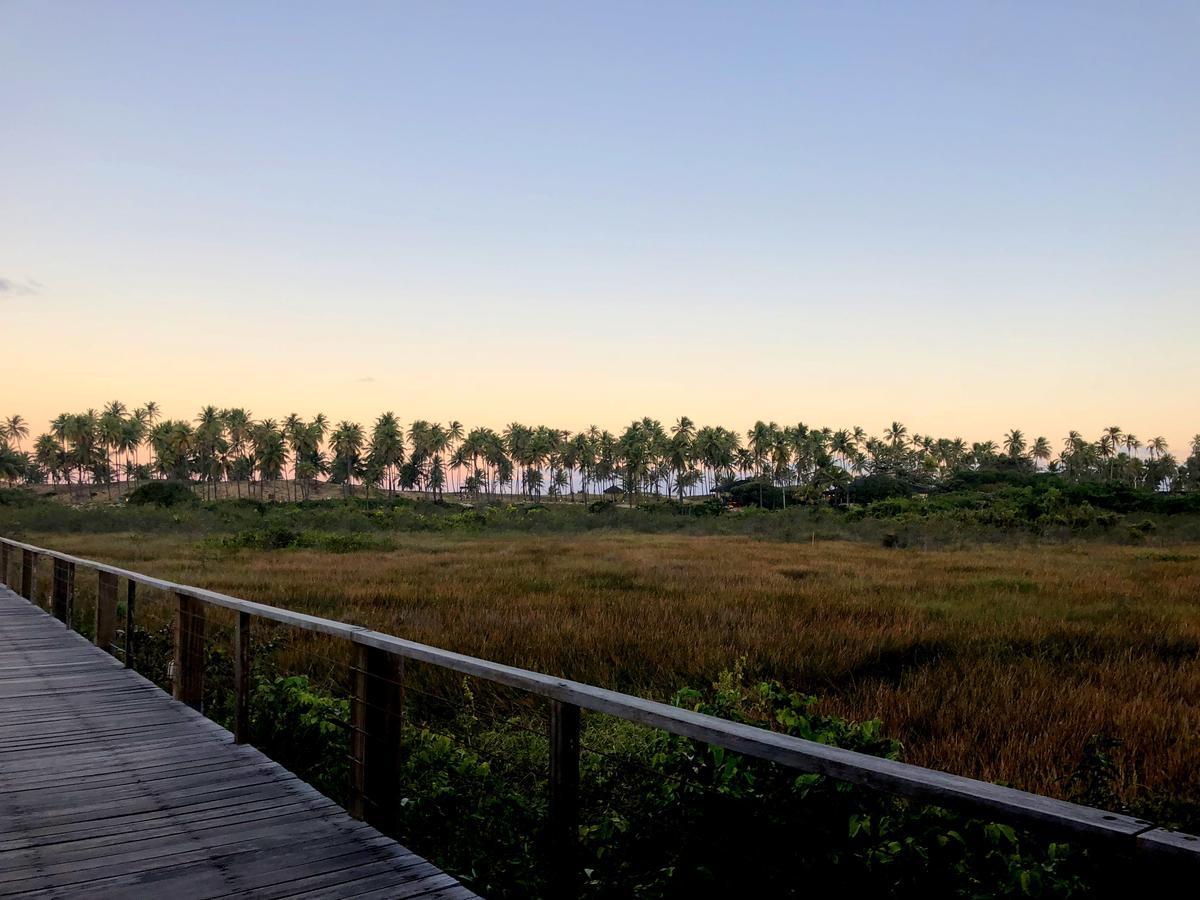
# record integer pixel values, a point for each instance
(110, 788)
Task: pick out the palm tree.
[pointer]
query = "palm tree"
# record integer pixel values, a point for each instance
(387, 451)
(760, 440)
(238, 425)
(454, 437)
(211, 447)
(270, 452)
(111, 431)
(1041, 452)
(346, 444)
(15, 429)
(681, 451)
(49, 454)
(1014, 444)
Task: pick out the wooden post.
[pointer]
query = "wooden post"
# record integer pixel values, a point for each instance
(241, 679)
(70, 594)
(130, 596)
(564, 799)
(188, 684)
(28, 574)
(106, 612)
(377, 719)
(59, 592)
(358, 725)
(5, 550)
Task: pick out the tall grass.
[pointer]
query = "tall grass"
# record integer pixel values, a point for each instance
(998, 662)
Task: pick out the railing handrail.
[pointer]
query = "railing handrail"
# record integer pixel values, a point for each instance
(992, 801)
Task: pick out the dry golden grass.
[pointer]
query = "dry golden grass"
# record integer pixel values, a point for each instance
(995, 662)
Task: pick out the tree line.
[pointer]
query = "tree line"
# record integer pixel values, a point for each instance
(116, 445)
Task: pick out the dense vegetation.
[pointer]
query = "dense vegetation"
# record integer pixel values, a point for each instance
(806, 464)
(662, 816)
(1083, 653)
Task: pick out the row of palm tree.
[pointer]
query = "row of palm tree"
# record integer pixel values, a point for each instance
(231, 447)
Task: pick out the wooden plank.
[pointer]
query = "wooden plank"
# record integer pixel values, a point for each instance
(356, 882)
(188, 681)
(106, 611)
(1171, 847)
(290, 834)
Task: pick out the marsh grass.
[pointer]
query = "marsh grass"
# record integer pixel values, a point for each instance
(997, 662)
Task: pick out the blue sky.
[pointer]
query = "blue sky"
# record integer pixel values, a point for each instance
(968, 216)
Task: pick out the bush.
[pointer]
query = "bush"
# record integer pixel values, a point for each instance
(666, 816)
(871, 488)
(163, 493)
(758, 493)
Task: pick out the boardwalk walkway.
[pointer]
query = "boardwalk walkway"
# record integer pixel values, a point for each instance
(109, 788)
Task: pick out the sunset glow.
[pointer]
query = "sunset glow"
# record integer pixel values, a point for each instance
(571, 216)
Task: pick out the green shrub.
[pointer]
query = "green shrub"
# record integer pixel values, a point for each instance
(304, 729)
(163, 493)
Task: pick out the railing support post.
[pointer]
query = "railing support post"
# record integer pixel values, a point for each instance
(241, 679)
(377, 716)
(130, 597)
(28, 574)
(5, 550)
(564, 799)
(62, 586)
(106, 611)
(188, 684)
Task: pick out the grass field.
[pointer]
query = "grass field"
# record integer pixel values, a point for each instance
(996, 661)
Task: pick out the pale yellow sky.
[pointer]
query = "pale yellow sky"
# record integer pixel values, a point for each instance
(729, 376)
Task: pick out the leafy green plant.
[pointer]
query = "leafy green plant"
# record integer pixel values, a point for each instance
(163, 493)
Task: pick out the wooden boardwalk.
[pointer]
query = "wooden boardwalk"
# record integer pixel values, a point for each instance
(109, 788)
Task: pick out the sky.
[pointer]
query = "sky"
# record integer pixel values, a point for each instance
(967, 216)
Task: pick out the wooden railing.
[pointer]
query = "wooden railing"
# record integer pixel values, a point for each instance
(377, 702)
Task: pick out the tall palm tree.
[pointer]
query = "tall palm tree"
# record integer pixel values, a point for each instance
(1040, 451)
(15, 429)
(760, 440)
(387, 451)
(238, 427)
(1014, 444)
(49, 455)
(270, 452)
(896, 434)
(211, 447)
